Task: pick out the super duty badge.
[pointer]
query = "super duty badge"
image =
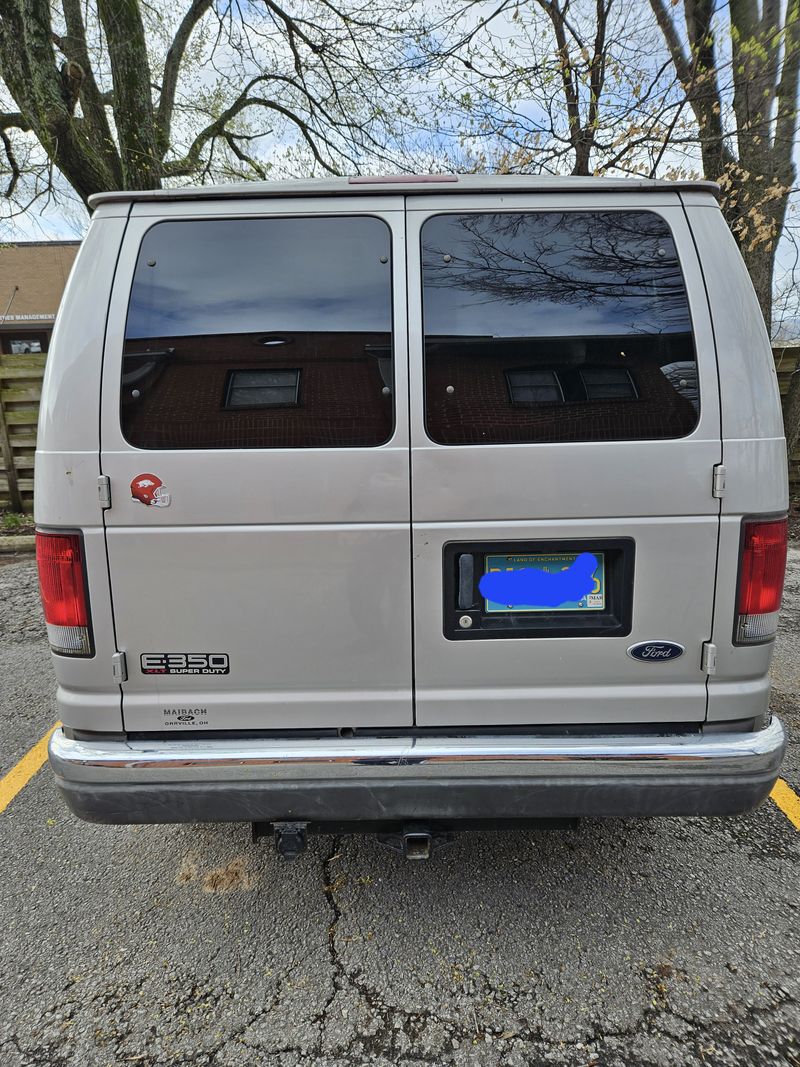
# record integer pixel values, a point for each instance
(185, 663)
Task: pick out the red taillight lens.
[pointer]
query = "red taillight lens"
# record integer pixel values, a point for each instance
(62, 585)
(761, 573)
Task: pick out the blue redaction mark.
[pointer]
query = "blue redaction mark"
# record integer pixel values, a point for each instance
(529, 587)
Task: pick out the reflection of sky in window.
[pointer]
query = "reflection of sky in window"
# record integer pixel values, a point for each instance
(261, 275)
(552, 275)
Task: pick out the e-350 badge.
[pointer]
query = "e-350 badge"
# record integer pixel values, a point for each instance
(185, 663)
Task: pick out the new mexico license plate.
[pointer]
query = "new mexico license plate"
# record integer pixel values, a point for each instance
(555, 578)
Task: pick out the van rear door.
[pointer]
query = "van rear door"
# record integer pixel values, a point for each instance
(255, 435)
(565, 427)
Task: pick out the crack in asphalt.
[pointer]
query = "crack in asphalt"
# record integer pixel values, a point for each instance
(733, 1037)
(329, 888)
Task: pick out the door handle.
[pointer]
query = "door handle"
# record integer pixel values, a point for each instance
(466, 581)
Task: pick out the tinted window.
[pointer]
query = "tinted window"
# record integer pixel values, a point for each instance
(260, 333)
(555, 326)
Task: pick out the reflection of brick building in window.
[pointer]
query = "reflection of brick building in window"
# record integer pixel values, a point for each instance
(480, 410)
(174, 391)
(175, 396)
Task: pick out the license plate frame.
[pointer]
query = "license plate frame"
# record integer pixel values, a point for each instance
(467, 617)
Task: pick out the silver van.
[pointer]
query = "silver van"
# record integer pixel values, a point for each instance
(411, 504)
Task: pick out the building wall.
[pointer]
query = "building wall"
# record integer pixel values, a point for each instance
(32, 279)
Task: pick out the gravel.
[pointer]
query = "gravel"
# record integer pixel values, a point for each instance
(21, 613)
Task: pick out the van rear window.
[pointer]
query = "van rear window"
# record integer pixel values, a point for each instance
(260, 333)
(555, 326)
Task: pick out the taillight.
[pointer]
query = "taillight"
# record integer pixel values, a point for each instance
(761, 571)
(62, 584)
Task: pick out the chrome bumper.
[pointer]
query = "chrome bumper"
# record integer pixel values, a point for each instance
(386, 779)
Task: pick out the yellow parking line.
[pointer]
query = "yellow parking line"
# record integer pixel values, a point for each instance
(19, 776)
(788, 801)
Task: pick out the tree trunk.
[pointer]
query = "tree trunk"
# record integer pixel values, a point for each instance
(583, 153)
(133, 102)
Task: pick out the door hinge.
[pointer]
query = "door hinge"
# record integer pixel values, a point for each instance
(119, 667)
(104, 491)
(708, 661)
(718, 484)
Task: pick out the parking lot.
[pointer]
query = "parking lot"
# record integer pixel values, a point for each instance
(671, 941)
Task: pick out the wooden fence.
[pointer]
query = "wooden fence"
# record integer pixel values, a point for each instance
(20, 391)
(786, 360)
(21, 388)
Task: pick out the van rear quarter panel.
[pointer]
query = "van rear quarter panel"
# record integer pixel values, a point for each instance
(68, 463)
(753, 448)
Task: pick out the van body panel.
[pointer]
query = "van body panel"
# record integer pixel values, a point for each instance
(68, 466)
(751, 407)
(280, 587)
(93, 710)
(754, 454)
(316, 627)
(739, 688)
(756, 478)
(576, 679)
(292, 562)
(745, 699)
(68, 413)
(658, 492)
(66, 489)
(247, 487)
(111, 209)
(462, 485)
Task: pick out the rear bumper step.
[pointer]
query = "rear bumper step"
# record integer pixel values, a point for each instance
(388, 779)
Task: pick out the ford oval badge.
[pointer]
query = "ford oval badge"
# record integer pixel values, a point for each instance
(656, 651)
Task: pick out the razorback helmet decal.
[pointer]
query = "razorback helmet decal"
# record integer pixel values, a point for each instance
(149, 489)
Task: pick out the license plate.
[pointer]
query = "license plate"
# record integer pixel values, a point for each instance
(538, 581)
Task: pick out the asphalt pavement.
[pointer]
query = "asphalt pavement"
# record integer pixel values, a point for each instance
(614, 944)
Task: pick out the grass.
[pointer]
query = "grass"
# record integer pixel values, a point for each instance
(14, 522)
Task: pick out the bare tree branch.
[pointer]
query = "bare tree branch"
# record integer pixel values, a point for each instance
(73, 45)
(172, 66)
(13, 120)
